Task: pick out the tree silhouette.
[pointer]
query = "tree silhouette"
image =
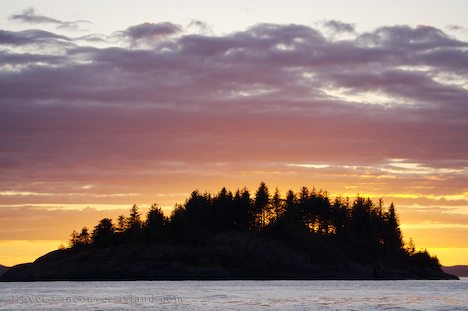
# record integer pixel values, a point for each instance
(392, 234)
(103, 232)
(223, 210)
(242, 210)
(134, 220)
(339, 212)
(80, 239)
(292, 213)
(308, 222)
(121, 224)
(306, 209)
(277, 205)
(155, 223)
(261, 210)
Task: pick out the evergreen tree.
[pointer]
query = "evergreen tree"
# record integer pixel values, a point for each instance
(305, 208)
(134, 220)
(410, 247)
(261, 206)
(324, 212)
(224, 210)
(308, 222)
(242, 210)
(155, 223)
(121, 224)
(200, 212)
(392, 234)
(80, 239)
(277, 205)
(292, 213)
(103, 232)
(339, 215)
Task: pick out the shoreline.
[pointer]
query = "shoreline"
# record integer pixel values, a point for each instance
(451, 278)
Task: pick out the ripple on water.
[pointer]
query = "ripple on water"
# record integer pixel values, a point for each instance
(240, 295)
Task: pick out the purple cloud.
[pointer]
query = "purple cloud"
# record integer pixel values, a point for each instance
(31, 36)
(150, 31)
(29, 16)
(338, 26)
(270, 94)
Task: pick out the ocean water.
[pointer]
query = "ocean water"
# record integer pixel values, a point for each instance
(236, 295)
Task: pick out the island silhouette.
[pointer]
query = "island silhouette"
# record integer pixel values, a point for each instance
(239, 235)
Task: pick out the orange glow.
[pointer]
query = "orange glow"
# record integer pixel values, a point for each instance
(29, 233)
(21, 251)
(450, 256)
(91, 125)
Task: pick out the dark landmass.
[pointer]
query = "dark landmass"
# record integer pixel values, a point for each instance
(228, 256)
(3, 269)
(233, 236)
(461, 271)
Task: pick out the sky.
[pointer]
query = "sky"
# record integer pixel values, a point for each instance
(110, 103)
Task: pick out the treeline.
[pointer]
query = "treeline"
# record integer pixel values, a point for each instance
(310, 221)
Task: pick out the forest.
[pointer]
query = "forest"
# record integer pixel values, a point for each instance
(239, 235)
(329, 230)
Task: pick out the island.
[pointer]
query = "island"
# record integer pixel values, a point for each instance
(460, 270)
(304, 235)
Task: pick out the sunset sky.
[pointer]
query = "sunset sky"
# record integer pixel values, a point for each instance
(108, 103)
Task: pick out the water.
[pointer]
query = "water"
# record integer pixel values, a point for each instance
(236, 295)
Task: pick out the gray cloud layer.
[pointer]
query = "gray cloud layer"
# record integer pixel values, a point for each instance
(271, 93)
(29, 16)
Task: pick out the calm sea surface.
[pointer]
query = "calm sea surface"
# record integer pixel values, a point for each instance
(236, 295)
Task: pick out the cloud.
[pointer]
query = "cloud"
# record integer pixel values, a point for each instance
(150, 32)
(31, 36)
(200, 27)
(431, 216)
(457, 28)
(139, 117)
(338, 26)
(29, 16)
